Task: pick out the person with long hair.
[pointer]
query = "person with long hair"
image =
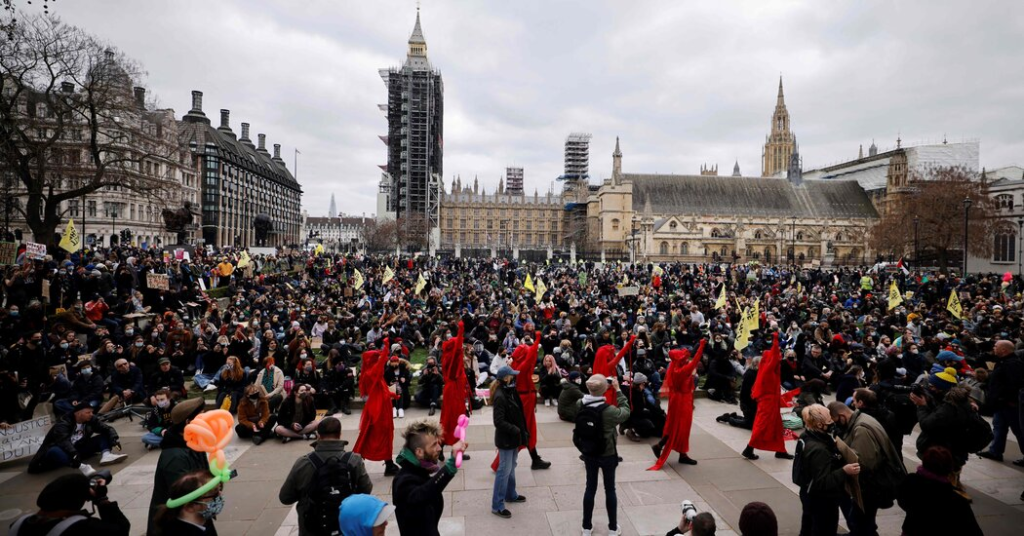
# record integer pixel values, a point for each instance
(681, 384)
(194, 517)
(230, 383)
(271, 380)
(550, 380)
(297, 417)
(255, 420)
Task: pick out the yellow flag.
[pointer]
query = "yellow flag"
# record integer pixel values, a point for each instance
(721, 298)
(752, 321)
(799, 289)
(389, 274)
(895, 298)
(357, 279)
(953, 306)
(244, 260)
(541, 289)
(71, 240)
(625, 280)
(528, 285)
(658, 271)
(742, 335)
(318, 250)
(420, 284)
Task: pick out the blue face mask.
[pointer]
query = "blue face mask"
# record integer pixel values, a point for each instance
(87, 372)
(213, 507)
(64, 346)
(15, 313)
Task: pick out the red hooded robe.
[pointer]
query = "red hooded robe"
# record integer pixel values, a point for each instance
(605, 361)
(524, 360)
(680, 385)
(767, 390)
(376, 426)
(456, 385)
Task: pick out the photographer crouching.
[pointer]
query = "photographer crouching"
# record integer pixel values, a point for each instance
(60, 510)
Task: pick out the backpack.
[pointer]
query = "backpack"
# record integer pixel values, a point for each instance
(903, 409)
(588, 434)
(977, 433)
(333, 480)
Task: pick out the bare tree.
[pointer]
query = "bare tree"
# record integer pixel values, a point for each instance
(936, 199)
(70, 124)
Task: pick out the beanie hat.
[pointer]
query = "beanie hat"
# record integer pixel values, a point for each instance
(639, 378)
(574, 375)
(944, 380)
(946, 355)
(758, 519)
(67, 492)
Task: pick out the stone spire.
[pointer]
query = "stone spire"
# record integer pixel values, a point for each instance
(780, 101)
(736, 169)
(616, 163)
(333, 211)
(417, 55)
(860, 152)
(779, 145)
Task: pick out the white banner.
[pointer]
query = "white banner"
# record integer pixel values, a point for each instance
(24, 438)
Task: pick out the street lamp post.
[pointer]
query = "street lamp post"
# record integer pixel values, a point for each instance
(916, 250)
(967, 216)
(1020, 232)
(113, 226)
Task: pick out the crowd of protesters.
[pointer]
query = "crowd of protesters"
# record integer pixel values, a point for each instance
(281, 339)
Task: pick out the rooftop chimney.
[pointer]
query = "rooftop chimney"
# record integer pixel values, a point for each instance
(245, 132)
(197, 101)
(262, 143)
(196, 115)
(140, 97)
(277, 151)
(109, 54)
(224, 119)
(67, 87)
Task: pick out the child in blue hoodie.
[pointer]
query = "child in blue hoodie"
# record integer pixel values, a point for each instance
(364, 515)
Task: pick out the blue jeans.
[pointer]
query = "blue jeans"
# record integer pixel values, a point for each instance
(152, 439)
(56, 457)
(1004, 420)
(607, 465)
(505, 479)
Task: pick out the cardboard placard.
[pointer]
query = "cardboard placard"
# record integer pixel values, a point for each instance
(629, 291)
(46, 289)
(35, 251)
(158, 281)
(24, 438)
(8, 253)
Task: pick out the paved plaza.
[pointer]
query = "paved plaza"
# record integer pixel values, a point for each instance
(722, 483)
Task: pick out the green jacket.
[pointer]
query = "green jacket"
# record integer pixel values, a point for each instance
(568, 401)
(611, 418)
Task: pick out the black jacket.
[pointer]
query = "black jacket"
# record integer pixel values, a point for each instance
(89, 389)
(172, 379)
(1005, 382)
(943, 424)
(60, 436)
(417, 495)
(747, 404)
(111, 521)
(934, 507)
(818, 467)
(509, 423)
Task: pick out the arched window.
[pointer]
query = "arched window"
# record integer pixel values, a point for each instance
(615, 224)
(839, 237)
(800, 235)
(673, 225)
(757, 234)
(1004, 201)
(684, 248)
(664, 248)
(725, 250)
(715, 233)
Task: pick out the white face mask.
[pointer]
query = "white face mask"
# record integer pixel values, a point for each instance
(163, 403)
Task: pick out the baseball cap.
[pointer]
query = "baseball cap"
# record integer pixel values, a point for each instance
(505, 371)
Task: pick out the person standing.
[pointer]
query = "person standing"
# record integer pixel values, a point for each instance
(524, 361)
(606, 361)
(821, 473)
(456, 386)
(376, 425)
(510, 435)
(418, 486)
(176, 459)
(676, 436)
(882, 470)
(932, 504)
(767, 431)
(305, 473)
(1004, 385)
(608, 459)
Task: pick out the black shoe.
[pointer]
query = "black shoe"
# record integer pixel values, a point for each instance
(783, 455)
(465, 456)
(503, 513)
(257, 439)
(390, 469)
(989, 455)
(1019, 463)
(722, 418)
(433, 409)
(657, 450)
(686, 460)
(346, 411)
(748, 453)
(540, 464)
(285, 439)
(520, 499)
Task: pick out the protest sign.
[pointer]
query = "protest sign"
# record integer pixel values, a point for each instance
(8, 253)
(24, 438)
(158, 281)
(629, 291)
(35, 251)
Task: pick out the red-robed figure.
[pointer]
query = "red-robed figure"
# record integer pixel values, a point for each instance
(767, 391)
(376, 426)
(524, 360)
(456, 385)
(680, 385)
(605, 361)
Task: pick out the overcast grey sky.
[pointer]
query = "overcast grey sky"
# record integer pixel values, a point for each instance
(682, 82)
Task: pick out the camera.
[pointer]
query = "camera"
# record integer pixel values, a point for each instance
(919, 390)
(689, 510)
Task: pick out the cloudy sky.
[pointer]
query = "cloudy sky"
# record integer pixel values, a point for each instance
(682, 83)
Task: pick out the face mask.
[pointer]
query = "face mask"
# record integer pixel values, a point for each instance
(15, 313)
(213, 507)
(163, 403)
(254, 398)
(303, 394)
(138, 344)
(302, 356)
(64, 346)
(308, 368)
(129, 332)
(87, 372)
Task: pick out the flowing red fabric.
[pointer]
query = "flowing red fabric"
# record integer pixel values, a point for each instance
(679, 380)
(456, 385)
(767, 432)
(605, 361)
(524, 360)
(376, 426)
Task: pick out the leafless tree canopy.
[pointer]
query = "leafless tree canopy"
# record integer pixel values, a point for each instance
(70, 124)
(384, 236)
(936, 199)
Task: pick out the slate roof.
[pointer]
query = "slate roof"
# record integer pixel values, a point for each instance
(750, 196)
(237, 152)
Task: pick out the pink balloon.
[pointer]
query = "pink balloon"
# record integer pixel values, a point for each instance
(1007, 276)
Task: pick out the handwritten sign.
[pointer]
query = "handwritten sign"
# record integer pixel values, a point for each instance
(629, 291)
(8, 253)
(158, 281)
(35, 251)
(46, 289)
(24, 438)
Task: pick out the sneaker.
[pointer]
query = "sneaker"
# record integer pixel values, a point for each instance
(210, 387)
(588, 532)
(989, 455)
(394, 413)
(86, 469)
(502, 513)
(722, 418)
(433, 409)
(783, 455)
(346, 411)
(632, 435)
(148, 446)
(401, 413)
(547, 402)
(257, 439)
(615, 532)
(285, 439)
(109, 458)
(1019, 463)
(520, 499)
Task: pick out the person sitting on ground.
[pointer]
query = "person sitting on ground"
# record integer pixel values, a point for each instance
(230, 383)
(297, 418)
(167, 377)
(126, 386)
(932, 504)
(571, 393)
(74, 438)
(254, 418)
(301, 479)
(87, 388)
(158, 420)
(60, 510)
(748, 406)
(431, 386)
(646, 419)
(550, 380)
(271, 380)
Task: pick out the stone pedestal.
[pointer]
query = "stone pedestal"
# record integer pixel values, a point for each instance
(550, 253)
(458, 251)
(572, 253)
(515, 253)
